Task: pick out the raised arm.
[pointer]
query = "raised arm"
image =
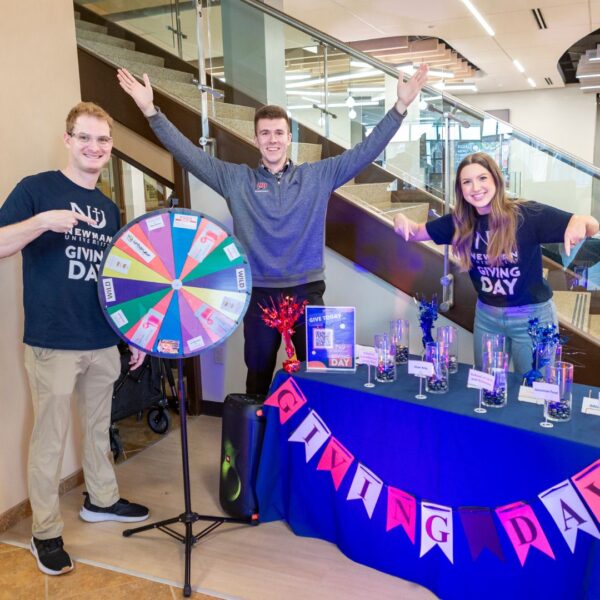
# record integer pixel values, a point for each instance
(578, 228)
(410, 230)
(142, 95)
(15, 237)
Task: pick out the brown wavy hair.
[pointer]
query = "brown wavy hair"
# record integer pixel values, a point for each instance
(88, 109)
(503, 217)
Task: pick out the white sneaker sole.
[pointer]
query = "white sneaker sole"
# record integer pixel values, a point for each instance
(95, 517)
(44, 569)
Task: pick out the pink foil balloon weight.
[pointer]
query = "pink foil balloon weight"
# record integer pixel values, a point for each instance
(283, 316)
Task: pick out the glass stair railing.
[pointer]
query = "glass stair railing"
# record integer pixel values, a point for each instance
(340, 94)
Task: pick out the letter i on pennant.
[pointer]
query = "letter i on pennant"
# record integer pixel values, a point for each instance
(312, 432)
(366, 486)
(288, 398)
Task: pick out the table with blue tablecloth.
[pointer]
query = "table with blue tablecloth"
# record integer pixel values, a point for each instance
(443, 454)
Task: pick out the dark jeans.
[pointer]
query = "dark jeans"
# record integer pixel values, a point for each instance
(261, 342)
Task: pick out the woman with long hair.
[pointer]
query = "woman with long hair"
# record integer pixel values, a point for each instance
(497, 240)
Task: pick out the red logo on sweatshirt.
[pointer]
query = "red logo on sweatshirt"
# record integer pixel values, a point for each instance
(262, 186)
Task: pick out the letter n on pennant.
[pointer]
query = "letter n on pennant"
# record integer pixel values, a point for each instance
(288, 398)
(337, 460)
(402, 510)
(523, 529)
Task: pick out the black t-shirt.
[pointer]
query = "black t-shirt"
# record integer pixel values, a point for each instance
(520, 282)
(60, 271)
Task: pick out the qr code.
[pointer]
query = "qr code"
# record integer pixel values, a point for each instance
(323, 338)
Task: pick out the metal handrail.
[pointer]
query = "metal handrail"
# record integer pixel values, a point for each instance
(566, 157)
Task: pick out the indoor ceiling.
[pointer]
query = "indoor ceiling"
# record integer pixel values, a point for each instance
(535, 33)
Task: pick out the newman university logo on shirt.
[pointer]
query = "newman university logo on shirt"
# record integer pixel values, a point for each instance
(261, 186)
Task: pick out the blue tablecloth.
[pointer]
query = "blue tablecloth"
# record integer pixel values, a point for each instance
(440, 451)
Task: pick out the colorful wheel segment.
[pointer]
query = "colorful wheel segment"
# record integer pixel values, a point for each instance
(174, 282)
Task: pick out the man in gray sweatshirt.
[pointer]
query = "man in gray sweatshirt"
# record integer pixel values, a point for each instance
(278, 209)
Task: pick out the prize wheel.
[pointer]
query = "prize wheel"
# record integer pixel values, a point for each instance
(174, 282)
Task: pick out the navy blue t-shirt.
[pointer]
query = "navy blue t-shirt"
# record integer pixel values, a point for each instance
(60, 270)
(520, 282)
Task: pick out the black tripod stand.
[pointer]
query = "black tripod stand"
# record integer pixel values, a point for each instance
(188, 518)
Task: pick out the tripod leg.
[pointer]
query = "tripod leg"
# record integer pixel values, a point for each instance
(187, 588)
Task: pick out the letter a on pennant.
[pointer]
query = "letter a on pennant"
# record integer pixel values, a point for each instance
(523, 529)
(337, 460)
(568, 512)
(312, 432)
(287, 398)
(588, 484)
(436, 529)
(366, 486)
(401, 510)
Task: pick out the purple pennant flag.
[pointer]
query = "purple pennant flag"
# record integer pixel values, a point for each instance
(478, 523)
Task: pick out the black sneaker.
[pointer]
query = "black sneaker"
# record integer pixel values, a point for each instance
(121, 510)
(50, 556)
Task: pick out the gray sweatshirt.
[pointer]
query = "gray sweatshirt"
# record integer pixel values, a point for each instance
(280, 223)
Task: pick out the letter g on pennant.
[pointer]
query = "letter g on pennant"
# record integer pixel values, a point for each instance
(288, 399)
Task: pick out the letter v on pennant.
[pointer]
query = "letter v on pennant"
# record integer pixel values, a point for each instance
(287, 398)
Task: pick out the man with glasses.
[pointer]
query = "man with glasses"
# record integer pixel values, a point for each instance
(62, 223)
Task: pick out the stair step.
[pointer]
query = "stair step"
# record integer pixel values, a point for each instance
(116, 53)
(154, 72)
(83, 34)
(91, 26)
(369, 192)
(416, 212)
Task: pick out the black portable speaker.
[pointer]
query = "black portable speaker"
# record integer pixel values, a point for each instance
(241, 443)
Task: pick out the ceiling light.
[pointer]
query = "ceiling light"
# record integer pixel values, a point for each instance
(479, 18)
(352, 114)
(311, 49)
(359, 64)
(360, 90)
(590, 87)
(531, 82)
(296, 76)
(350, 101)
(467, 87)
(519, 66)
(588, 76)
(334, 78)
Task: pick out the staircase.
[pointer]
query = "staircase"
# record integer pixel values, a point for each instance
(238, 119)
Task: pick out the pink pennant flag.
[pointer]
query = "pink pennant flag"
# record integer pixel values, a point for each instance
(287, 398)
(401, 510)
(336, 459)
(588, 484)
(523, 529)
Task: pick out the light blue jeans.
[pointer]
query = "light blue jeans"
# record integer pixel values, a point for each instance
(512, 322)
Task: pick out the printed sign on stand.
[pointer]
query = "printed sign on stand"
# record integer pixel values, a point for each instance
(330, 338)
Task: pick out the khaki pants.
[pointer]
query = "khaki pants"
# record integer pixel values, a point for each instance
(53, 376)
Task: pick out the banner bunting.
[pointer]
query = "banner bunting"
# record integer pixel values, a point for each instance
(337, 460)
(523, 529)
(402, 510)
(436, 529)
(312, 432)
(480, 531)
(366, 486)
(288, 398)
(568, 512)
